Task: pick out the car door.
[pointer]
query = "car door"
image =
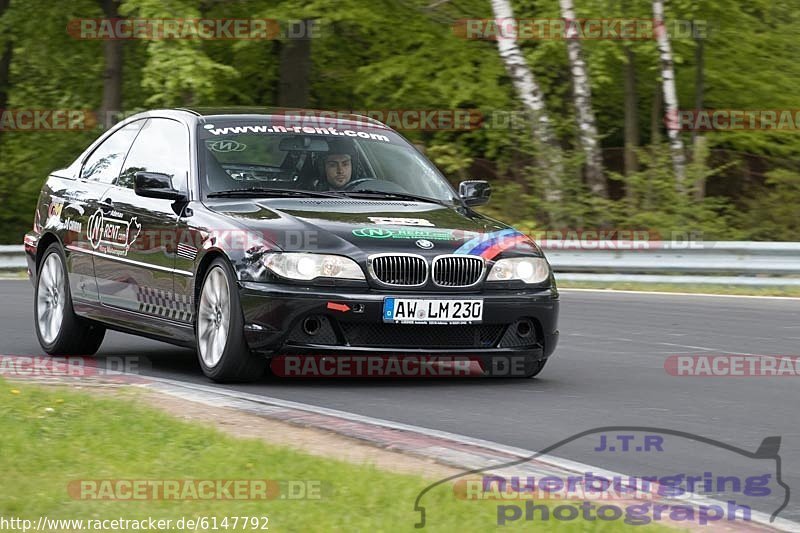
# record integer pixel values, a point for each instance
(76, 205)
(136, 273)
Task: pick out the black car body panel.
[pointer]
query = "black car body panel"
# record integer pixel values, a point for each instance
(135, 263)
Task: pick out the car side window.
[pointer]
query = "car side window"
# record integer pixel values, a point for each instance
(105, 163)
(162, 146)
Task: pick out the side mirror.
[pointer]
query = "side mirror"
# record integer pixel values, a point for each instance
(474, 192)
(156, 185)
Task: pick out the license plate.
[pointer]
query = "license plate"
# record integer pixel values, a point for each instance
(418, 311)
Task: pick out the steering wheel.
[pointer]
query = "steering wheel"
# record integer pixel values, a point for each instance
(351, 184)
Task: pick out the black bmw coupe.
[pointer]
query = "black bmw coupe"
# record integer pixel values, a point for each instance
(251, 235)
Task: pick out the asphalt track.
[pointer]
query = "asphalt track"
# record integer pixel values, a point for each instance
(607, 371)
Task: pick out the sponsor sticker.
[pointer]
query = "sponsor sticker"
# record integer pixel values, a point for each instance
(73, 225)
(54, 211)
(226, 145)
(112, 234)
(383, 233)
(307, 130)
(399, 221)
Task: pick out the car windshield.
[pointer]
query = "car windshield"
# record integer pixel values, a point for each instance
(342, 158)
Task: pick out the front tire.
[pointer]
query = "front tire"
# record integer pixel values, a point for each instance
(221, 347)
(59, 330)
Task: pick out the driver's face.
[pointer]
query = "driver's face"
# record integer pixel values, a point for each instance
(338, 170)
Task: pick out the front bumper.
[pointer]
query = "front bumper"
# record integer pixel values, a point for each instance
(351, 322)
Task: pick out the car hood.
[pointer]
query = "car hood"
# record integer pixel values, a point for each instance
(354, 227)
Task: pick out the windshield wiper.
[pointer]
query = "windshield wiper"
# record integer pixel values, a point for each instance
(265, 191)
(397, 195)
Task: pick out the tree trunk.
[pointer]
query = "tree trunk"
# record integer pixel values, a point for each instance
(656, 115)
(656, 120)
(582, 98)
(531, 96)
(698, 142)
(111, 106)
(670, 95)
(295, 69)
(631, 107)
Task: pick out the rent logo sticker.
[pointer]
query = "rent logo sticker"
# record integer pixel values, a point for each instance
(382, 233)
(112, 235)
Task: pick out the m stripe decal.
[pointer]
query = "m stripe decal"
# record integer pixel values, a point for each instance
(489, 245)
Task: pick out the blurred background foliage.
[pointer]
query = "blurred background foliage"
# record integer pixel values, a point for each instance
(405, 54)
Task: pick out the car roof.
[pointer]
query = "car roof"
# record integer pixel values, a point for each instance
(206, 114)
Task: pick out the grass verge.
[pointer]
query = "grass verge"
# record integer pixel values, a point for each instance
(13, 274)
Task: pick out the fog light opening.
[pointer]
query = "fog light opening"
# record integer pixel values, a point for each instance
(524, 329)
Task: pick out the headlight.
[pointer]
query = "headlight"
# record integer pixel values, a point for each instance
(528, 269)
(305, 267)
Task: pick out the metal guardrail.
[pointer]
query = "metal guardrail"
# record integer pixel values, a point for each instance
(717, 262)
(12, 257)
(722, 262)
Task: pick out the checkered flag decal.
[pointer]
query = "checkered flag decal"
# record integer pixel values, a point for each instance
(165, 304)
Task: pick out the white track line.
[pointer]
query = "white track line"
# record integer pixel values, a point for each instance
(663, 293)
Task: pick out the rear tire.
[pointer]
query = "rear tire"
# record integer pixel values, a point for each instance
(59, 330)
(219, 329)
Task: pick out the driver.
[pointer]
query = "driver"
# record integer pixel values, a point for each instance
(337, 167)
